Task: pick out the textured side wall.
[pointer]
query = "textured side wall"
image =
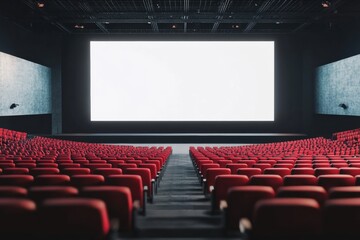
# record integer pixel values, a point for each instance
(25, 83)
(337, 83)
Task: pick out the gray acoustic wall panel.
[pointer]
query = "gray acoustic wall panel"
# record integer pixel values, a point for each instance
(338, 83)
(25, 83)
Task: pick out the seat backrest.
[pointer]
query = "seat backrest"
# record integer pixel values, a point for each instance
(315, 192)
(75, 171)
(52, 179)
(212, 173)
(249, 172)
(341, 218)
(118, 202)
(12, 192)
(278, 171)
(145, 175)
(274, 181)
(241, 201)
(344, 192)
(20, 180)
(82, 180)
(326, 171)
(74, 218)
(335, 180)
(17, 218)
(43, 170)
(297, 180)
(151, 167)
(350, 171)
(223, 183)
(15, 170)
(262, 166)
(204, 167)
(235, 166)
(303, 171)
(286, 218)
(94, 166)
(107, 171)
(40, 193)
(133, 182)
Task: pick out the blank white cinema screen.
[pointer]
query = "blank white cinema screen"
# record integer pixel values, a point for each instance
(182, 80)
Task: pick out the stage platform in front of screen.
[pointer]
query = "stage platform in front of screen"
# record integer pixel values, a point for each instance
(203, 138)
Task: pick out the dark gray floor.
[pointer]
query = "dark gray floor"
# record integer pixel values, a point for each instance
(180, 210)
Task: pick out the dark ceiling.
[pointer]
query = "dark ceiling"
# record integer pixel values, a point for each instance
(182, 16)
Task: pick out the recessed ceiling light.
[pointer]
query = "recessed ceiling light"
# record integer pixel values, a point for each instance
(40, 4)
(325, 4)
(79, 26)
(235, 26)
(173, 26)
(278, 22)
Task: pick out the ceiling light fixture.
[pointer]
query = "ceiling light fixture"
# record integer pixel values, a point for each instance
(325, 4)
(40, 4)
(78, 26)
(173, 26)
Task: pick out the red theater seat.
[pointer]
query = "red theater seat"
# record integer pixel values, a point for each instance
(302, 171)
(15, 170)
(297, 180)
(287, 218)
(17, 218)
(76, 171)
(235, 166)
(40, 193)
(107, 171)
(52, 180)
(74, 218)
(145, 175)
(221, 186)
(315, 192)
(211, 174)
(274, 181)
(82, 180)
(344, 192)
(335, 180)
(134, 183)
(341, 218)
(350, 171)
(40, 171)
(19, 180)
(241, 201)
(94, 166)
(278, 171)
(118, 202)
(249, 172)
(326, 171)
(13, 192)
(223, 163)
(262, 166)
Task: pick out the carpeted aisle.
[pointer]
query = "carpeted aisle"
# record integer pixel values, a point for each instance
(180, 209)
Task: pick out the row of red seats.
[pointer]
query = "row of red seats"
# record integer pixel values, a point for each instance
(55, 218)
(353, 134)
(118, 199)
(293, 212)
(11, 135)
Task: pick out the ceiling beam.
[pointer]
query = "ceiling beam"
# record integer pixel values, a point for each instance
(148, 4)
(181, 19)
(221, 10)
(33, 6)
(263, 7)
(335, 4)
